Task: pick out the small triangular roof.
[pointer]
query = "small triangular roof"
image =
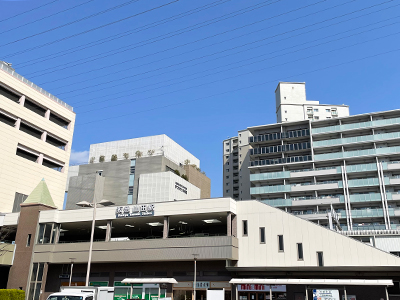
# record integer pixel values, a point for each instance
(40, 195)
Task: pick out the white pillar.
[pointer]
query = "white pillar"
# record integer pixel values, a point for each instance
(47, 114)
(22, 100)
(17, 123)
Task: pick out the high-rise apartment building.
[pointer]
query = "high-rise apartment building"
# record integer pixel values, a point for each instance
(36, 130)
(140, 170)
(292, 105)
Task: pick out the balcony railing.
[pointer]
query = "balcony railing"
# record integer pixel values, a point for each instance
(279, 135)
(280, 148)
(356, 139)
(356, 125)
(291, 159)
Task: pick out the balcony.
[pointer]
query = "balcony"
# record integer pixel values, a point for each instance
(368, 213)
(280, 148)
(292, 159)
(279, 136)
(269, 189)
(178, 249)
(324, 185)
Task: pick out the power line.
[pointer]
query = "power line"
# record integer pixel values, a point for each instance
(150, 41)
(72, 22)
(284, 54)
(196, 41)
(172, 65)
(243, 88)
(46, 17)
(120, 35)
(28, 11)
(254, 71)
(92, 29)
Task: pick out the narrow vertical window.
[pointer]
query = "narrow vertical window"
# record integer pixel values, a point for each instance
(28, 240)
(244, 227)
(300, 251)
(320, 257)
(280, 243)
(262, 235)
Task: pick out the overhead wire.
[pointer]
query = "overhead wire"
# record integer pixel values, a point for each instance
(46, 17)
(242, 88)
(196, 41)
(120, 35)
(76, 90)
(28, 11)
(151, 40)
(92, 29)
(72, 22)
(247, 59)
(238, 75)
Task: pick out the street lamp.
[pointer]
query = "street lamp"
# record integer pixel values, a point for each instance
(94, 205)
(72, 266)
(195, 274)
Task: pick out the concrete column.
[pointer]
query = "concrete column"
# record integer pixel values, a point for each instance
(166, 227)
(22, 100)
(17, 123)
(108, 231)
(44, 136)
(57, 233)
(234, 226)
(43, 296)
(229, 224)
(47, 114)
(40, 159)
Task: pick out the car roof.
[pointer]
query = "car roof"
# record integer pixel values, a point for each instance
(72, 293)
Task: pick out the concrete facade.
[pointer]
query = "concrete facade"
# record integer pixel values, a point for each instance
(198, 179)
(36, 129)
(292, 105)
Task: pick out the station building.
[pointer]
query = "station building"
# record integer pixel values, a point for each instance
(249, 249)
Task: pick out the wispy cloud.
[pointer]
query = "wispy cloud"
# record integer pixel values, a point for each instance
(79, 157)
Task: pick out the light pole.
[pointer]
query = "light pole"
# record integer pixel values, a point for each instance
(72, 266)
(195, 275)
(94, 205)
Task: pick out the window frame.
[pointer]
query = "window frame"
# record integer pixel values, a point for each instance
(298, 252)
(281, 243)
(320, 262)
(245, 228)
(262, 235)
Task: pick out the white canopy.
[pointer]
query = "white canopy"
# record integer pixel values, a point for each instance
(149, 280)
(313, 281)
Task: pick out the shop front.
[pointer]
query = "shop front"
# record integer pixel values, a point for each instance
(184, 289)
(261, 292)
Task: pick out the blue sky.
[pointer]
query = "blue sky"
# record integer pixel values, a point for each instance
(199, 71)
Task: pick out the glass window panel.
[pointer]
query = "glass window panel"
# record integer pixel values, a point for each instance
(133, 162)
(34, 272)
(131, 179)
(40, 272)
(37, 291)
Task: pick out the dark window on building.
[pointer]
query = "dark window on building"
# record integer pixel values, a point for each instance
(28, 240)
(320, 258)
(179, 273)
(244, 227)
(132, 274)
(300, 251)
(52, 165)
(7, 120)
(35, 108)
(28, 155)
(18, 199)
(30, 130)
(55, 142)
(160, 274)
(8, 94)
(262, 235)
(120, 274)
(280, 243)
(59, 121)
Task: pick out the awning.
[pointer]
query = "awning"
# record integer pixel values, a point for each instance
(312, 281)
(149, 280)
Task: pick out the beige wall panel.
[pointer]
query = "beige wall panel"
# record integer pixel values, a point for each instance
(338, 250)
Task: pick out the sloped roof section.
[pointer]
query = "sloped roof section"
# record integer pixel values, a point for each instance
(41, 195)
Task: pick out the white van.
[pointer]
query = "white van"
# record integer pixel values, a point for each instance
(83, 293)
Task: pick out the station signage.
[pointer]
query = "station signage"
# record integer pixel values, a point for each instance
(326, 294)
(261, 288)
(134, 211)
(202, 284)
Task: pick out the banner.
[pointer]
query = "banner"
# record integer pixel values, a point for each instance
(326, 295)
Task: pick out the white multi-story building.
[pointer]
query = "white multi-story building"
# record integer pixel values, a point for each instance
(292, 105)
(36, 132)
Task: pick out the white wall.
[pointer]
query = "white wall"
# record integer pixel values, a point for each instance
(161, 144)
(161, 187)
(338, 250)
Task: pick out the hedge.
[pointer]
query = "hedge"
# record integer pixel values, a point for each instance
(12, 295)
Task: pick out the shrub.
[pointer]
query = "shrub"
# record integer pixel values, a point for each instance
(12, 294)
(92, 159)
(177, 172)
(114, 157)
(187, 162)
(185, 177)
(101, 158)
(150, 152)
(138, 154)
(126, 155)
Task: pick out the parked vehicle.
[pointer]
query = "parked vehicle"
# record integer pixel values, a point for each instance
(83, 293)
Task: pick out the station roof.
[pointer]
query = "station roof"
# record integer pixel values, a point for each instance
(313, 281)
